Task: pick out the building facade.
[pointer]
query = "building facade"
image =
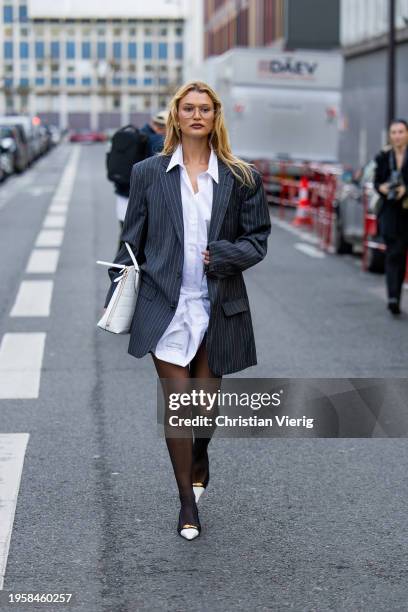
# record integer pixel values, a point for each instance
(94, 66)
(364, 27)
(241, 23)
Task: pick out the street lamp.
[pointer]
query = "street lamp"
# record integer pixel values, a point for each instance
(391, 92)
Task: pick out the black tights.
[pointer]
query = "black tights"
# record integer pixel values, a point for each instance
(190, 461)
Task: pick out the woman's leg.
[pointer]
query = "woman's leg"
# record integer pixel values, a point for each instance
(180, 448)
(199, 368)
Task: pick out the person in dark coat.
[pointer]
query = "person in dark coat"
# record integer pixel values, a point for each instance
(391, 182)
(198, 217)
(155, 132)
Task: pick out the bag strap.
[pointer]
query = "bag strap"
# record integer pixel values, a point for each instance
(121, 266)
(132, 256)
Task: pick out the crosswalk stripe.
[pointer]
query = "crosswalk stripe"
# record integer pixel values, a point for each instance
(12, 451)
(21, 356)
(310, 250)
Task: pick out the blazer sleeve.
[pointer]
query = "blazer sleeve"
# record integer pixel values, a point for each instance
(134, 227)
(228, 258)
(381, 174)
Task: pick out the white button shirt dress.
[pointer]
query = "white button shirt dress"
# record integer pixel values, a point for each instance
(186, 330)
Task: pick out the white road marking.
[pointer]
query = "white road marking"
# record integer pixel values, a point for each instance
(294, 230)
(58, 208)
(43, 261)
(12, 451)
(310, 250)
(49, 238)
(33, 299)
(39, 190)
(54, 221)
(21, 356)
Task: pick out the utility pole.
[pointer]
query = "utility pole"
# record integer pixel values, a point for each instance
(391, 85)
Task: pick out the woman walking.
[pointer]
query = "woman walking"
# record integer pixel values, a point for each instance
(391, 182)
(197, 217)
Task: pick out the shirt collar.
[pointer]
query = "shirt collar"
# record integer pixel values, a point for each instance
(177, 160)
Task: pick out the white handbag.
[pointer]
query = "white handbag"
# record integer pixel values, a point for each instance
(119, 312)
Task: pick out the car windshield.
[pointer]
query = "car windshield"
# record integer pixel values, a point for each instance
(5, 132)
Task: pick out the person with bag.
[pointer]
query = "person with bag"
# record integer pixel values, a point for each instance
(128, 146)
(197, 218)
(391, 183)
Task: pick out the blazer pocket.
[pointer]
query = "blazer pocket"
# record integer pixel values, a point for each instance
(147, 291)
(235, 306)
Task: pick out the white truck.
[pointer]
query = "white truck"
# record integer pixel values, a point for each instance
(280, 105)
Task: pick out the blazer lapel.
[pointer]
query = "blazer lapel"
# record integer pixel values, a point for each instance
(221, 195)
(170, 182)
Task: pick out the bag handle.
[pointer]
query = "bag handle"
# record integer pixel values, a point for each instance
(121, 266)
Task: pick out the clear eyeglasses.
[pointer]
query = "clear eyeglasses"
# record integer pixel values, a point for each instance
(189, 111)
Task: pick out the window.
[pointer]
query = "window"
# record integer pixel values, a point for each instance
(8, 14)
(55, 81)
(163, 32)
(40, 67)
(8, 50)
(117, 50)
(24, 82)
(101, 32)
(71, 68)
(101, 49)
(132, 50)
(22, 13)
(39, 50)
(24, 32)
(178, 50)
(132, 81)
(147, 81)
(132, 32)
(86, 80)
(179, 31)
(148, 68)
(86, 50)
(8, 31)
(162, 50)
(117, 31)
(163, 81)
(70, 80)
(70, 50)
(148, 50)
(24, 50)
(8, 68)
(8, 83)
(117, 81)
(55, 67)
(55, 49)
(116, 102)
(148, 31)
(39, 81)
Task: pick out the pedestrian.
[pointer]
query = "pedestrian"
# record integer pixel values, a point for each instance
(155, 132)
(197, 217)
(391, 182)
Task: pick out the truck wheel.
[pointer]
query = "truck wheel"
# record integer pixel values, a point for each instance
(375, 260)
(341, 247)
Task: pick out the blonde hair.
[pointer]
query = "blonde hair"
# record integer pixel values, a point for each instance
(218, 139)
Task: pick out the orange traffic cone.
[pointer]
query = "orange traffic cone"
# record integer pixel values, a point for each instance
(303, 211)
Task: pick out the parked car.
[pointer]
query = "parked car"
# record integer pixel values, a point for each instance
(12, 139)
(87, 136)
(25, 125)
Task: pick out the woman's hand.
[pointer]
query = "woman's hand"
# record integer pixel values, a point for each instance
(384, 188)
(401, 192)
(206, 256)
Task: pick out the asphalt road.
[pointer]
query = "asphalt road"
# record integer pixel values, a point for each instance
(310, 525)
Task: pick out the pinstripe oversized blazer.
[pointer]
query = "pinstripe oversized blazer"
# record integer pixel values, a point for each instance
(238, 234)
